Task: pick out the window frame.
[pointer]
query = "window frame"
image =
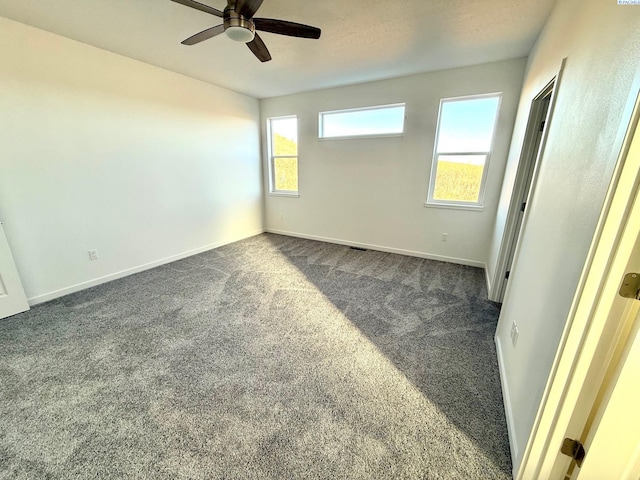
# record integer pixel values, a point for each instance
(321, 115)
(462, 204)
(272, 158)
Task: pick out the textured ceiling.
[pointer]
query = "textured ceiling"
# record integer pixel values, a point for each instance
(361, 40)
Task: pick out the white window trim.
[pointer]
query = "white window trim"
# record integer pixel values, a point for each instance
(321, 115)
(452, 206)
(271, 161)
(285, 193)
(459, 204)
(357, 137)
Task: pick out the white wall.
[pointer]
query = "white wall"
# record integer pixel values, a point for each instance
(101, 151)
(372, 191)
(602, 42)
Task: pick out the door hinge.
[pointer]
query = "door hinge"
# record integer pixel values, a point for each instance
(574, 449)
(506, 275)
(631, 286)
(523, 206)
(542, 125)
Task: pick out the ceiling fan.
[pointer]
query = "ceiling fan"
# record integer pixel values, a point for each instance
(239, 25)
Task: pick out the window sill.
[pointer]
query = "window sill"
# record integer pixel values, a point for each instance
(453, 206)
(361, 137)
(285, 194)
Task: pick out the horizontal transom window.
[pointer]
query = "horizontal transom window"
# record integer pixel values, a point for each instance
(383, 120)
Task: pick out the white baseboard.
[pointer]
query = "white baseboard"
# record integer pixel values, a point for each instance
(513, 444)
(45, 297)
(380, 248)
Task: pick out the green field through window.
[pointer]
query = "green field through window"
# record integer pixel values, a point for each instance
(286, 173)
(465, 135)
(458, 181)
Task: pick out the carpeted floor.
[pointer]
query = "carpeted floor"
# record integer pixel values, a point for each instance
(273, 357)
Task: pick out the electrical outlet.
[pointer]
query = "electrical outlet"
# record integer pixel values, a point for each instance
(445, 236)
(514, 333)
(281, 216)
(93, 255)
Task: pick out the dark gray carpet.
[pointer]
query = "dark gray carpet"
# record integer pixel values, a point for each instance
(273, 357)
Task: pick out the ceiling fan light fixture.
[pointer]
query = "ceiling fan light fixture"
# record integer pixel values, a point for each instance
(240, 26)
(240, 34)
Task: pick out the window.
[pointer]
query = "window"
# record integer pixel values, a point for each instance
(385, 120)
(283, 155)
(463, 146)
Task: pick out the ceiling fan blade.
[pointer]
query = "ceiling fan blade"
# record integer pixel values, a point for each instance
(248, 8)
(259, 49)
(204, 35)
(282, 27)
(200, 6)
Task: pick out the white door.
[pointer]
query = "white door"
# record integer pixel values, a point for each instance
(614, 444)
(12, 297)
(536, 134)
(540, 118)
(611, 432)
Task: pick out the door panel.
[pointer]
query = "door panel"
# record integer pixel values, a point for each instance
(612, 430)
(12, 297)
(527, 174)
(614, 450)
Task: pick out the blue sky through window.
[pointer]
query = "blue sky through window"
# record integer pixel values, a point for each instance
(467, 125)
(373, 121)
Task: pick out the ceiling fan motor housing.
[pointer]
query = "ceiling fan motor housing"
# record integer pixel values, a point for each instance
(238, 27)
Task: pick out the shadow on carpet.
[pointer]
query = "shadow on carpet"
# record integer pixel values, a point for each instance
(273, 357)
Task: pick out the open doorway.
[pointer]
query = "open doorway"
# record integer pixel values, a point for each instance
(533, 146)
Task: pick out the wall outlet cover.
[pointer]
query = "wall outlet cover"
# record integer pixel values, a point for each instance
(514, 333)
